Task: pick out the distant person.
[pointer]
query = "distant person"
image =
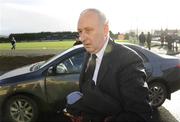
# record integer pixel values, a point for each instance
(77, 42)
(142, 39)
(169, 41)
(162, 39)
(148, 39)
(13, 43)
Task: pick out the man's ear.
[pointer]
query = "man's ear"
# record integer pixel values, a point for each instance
(106, 29)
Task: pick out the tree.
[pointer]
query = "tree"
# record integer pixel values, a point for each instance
(126, 36)
(114, 36)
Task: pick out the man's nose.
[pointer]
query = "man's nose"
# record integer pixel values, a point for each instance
(83, 36)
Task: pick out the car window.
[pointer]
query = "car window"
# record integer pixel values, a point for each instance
(72, 64)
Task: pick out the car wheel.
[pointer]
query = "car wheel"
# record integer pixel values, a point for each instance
(21, 108)
(158, 94)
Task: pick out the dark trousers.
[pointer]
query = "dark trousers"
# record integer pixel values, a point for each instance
(13, 47)
(92, 118)
(149, 45)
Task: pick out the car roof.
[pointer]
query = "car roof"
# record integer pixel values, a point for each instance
(148, 53)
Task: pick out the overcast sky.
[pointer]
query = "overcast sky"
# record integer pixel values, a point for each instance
(19, 16)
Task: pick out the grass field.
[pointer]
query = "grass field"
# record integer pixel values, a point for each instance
(59, 45)
(39, 45)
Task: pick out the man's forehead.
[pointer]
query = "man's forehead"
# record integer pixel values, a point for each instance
(88, 15)
(89, 12)
(86, 23)
(88, 20)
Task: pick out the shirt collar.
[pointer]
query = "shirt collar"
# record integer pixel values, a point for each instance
(101, 52)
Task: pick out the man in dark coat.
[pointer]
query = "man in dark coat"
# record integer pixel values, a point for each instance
(162, 38)
(142, 39)
(77, 42)
(169, 41)
(148, 40)
(116, 89)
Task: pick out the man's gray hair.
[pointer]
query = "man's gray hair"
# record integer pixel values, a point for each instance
(100, 14)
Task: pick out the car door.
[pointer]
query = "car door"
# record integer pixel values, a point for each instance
(63, 78)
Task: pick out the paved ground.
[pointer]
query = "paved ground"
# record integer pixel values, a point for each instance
(173, 105)
(163, 50)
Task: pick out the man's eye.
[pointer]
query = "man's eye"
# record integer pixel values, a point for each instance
(79, 32)
(88, 31)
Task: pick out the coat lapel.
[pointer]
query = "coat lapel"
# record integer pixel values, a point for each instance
(105, 64)
(82, 74)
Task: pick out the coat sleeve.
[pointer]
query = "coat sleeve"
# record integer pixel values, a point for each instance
(134, 89)
(94, 101)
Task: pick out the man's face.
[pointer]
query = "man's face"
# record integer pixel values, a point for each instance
(91, 32)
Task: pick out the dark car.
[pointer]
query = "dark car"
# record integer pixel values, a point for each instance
(163, 74)
(39, 87)
(43, 86)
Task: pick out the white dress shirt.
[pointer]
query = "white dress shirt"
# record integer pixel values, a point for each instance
(99, 60)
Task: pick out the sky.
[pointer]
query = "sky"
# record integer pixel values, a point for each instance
(26, 16)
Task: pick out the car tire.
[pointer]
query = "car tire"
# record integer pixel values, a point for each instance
(157, 94)
(21, 108)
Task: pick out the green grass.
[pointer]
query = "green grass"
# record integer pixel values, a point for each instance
(127, 41)
(39, 45)
(121, 40)
(57, 45)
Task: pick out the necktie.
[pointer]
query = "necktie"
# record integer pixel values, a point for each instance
(91, 67)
